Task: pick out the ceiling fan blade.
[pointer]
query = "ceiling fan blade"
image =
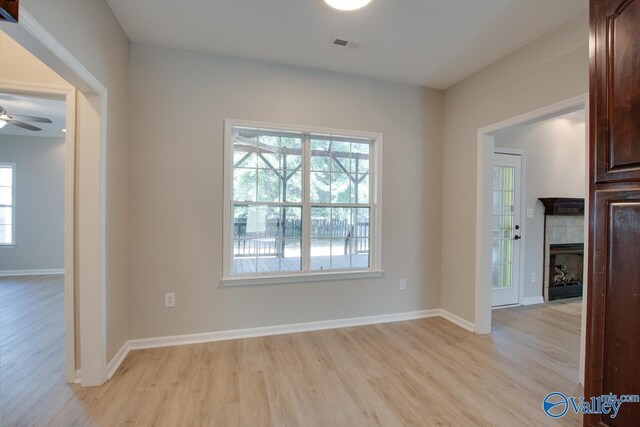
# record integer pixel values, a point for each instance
(31, 118)
(23, 125)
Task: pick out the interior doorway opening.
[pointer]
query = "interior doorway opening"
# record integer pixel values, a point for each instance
(527, 268)
(37, 168)
(89, 195)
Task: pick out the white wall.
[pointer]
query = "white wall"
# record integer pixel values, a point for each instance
(179, 102)
(39, 202)
(555, 167)
(550, 69)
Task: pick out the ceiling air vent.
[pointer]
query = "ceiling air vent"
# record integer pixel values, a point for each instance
(342, 43)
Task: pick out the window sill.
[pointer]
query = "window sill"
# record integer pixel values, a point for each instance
(300, 278)
(12, 246)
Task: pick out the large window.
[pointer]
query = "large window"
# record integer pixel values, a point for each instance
(300, 201)
(7, 202)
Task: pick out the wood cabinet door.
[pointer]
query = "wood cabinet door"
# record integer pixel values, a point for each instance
(613, 288)
(615, 89)
(613, 359)
(9, 10)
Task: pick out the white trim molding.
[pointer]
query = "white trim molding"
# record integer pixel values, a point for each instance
(457, 320)
(117, 359)
(301, 278)
(207, 337)
(46, 272)
(533, 300)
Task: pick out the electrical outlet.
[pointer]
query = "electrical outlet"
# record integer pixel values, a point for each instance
(170, 300)
(529, 213)
(403, 284)
(533, 277)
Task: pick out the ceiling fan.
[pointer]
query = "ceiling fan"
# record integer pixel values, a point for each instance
(6, 119)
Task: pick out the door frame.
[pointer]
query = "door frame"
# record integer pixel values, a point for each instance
(485, 150)
(523, 229)
(69, 95)
(91, 136)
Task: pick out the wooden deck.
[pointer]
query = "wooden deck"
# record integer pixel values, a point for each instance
(288, 264)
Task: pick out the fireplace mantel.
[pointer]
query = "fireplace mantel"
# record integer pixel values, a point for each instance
(562, 206)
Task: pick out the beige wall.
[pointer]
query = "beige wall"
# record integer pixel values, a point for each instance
(90, 32)
(179, 101)
(548, 70)
(39, 202)
(555, 151)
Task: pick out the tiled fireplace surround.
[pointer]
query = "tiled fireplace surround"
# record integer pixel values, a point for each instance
(560, 229)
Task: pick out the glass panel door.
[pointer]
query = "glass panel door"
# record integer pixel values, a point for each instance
(503, 223)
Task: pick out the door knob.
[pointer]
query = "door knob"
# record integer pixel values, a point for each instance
(516, 237)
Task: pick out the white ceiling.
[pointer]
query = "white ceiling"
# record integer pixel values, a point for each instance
(33, 106)
(433, 43)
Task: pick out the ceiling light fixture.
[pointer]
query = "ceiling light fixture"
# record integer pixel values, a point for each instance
(347, 4)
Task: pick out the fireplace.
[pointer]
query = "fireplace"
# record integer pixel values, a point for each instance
(566, 266)
(563, 248)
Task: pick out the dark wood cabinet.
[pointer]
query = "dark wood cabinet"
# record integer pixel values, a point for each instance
(616, 90)
(613, 318)
(9, 10)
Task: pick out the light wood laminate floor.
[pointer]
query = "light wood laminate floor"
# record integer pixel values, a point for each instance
(422, 373)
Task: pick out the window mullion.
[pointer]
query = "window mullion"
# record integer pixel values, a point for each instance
(306, 204)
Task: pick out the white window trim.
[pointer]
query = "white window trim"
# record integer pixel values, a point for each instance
(13, 244)
(375, 269)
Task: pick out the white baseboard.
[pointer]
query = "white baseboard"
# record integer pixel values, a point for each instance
(49, 272)
(117, 360)
(532, 300)
(169, 341)
(457, 320)
(175, 340)
(78, 378)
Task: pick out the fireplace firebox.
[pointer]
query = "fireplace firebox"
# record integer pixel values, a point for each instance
(566, 262)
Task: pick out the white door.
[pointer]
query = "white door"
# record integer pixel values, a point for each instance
(505, 277)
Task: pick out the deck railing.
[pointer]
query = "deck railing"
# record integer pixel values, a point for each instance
(268, 241)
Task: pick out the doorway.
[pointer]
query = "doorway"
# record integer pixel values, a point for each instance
(485, 218)
(37, 150)
(90, 192)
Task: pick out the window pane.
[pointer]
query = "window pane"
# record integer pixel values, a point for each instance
(6, 236)
(341, 155)
(361, 193)
(292, 223)
(292, 260)
(340, 188)
(320, 222)
(359, 244)
(267, 239)
(270, 158)
(320, 156)
(6, 216)
(244, 185)
(6, 177)
(320, 254)
(245, 157)
(268, 186)
(292, 187)
(6, 196)
(341, 222)
(320, 187)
